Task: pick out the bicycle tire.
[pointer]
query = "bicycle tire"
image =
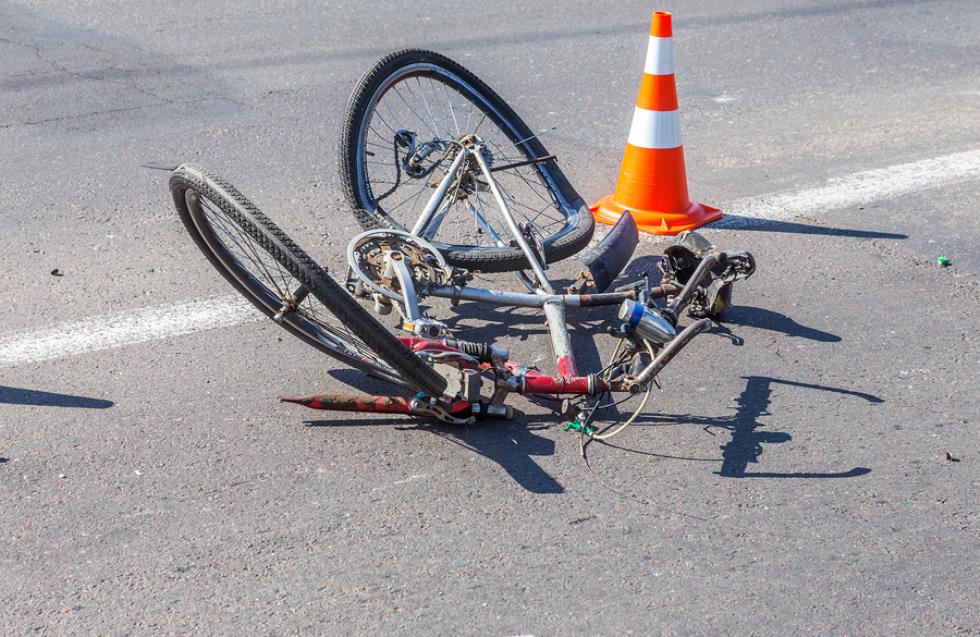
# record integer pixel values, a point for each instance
(572, 238)
(387, 358)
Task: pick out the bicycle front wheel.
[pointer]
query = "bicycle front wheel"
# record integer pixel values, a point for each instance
(282, 281)
(402, 122)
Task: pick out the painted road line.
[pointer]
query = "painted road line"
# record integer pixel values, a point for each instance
(158, 322)
(861, 188)
(130, 327)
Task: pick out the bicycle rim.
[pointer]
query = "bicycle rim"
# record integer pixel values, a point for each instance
(268, 282)
(436, 107)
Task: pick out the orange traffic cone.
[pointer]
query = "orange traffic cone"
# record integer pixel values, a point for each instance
(652, 181)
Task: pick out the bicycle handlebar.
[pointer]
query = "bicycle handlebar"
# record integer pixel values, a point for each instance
(671, 349)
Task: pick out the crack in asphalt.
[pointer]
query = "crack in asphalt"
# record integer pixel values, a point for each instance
(125, 109)
(124, 74)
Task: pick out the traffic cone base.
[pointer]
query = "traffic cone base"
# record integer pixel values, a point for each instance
(652, 181)
(607, 210)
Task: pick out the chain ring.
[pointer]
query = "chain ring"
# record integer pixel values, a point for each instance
(365, 256)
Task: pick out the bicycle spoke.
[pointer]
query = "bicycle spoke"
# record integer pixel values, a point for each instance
(445, 90)
(385, 122)
(535, 214)
(425, 101)
(239, 245)
(244, 243)
(394, 88)
(415, 200)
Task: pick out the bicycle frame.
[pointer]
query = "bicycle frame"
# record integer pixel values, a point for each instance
(510, 377)
(544, 294)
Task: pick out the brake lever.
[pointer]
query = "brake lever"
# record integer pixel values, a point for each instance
(741, 263)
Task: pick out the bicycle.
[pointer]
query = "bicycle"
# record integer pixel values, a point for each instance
(395, 267)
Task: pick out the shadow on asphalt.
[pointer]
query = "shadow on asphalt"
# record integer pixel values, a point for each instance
(757, 317)
(362, 382)
(19, 396)
(495, 321)
(738, 222)
(512, 445)
(763, 319)
(745, 446)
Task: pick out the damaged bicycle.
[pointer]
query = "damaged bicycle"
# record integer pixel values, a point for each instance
(448, 182)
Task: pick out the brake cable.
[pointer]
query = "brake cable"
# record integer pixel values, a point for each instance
(582, 426)
(398, 167)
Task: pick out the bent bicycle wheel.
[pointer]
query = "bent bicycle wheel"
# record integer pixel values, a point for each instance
(282, 281)
(402, 122)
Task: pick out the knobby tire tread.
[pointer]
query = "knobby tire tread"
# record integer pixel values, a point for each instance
(485, 259)
(300, 265)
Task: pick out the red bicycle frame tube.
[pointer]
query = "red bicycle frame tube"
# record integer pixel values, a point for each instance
(567, 382)
(374, 404)
(537, 383)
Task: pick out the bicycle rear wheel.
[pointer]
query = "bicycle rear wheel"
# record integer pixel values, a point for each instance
(402, 121)
(282, 281)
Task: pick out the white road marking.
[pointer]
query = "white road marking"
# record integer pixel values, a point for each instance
(163, 321)
(861, 188)
(123, 328)
(411, 478)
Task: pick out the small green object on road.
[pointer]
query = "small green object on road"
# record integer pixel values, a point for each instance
(574, 425)
(943, 261)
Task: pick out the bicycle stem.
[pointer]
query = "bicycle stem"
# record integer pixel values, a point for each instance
(561, 341)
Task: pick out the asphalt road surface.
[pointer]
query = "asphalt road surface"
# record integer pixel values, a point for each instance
(810, 468)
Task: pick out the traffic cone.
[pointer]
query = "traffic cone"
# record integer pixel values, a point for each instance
(652, 181)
